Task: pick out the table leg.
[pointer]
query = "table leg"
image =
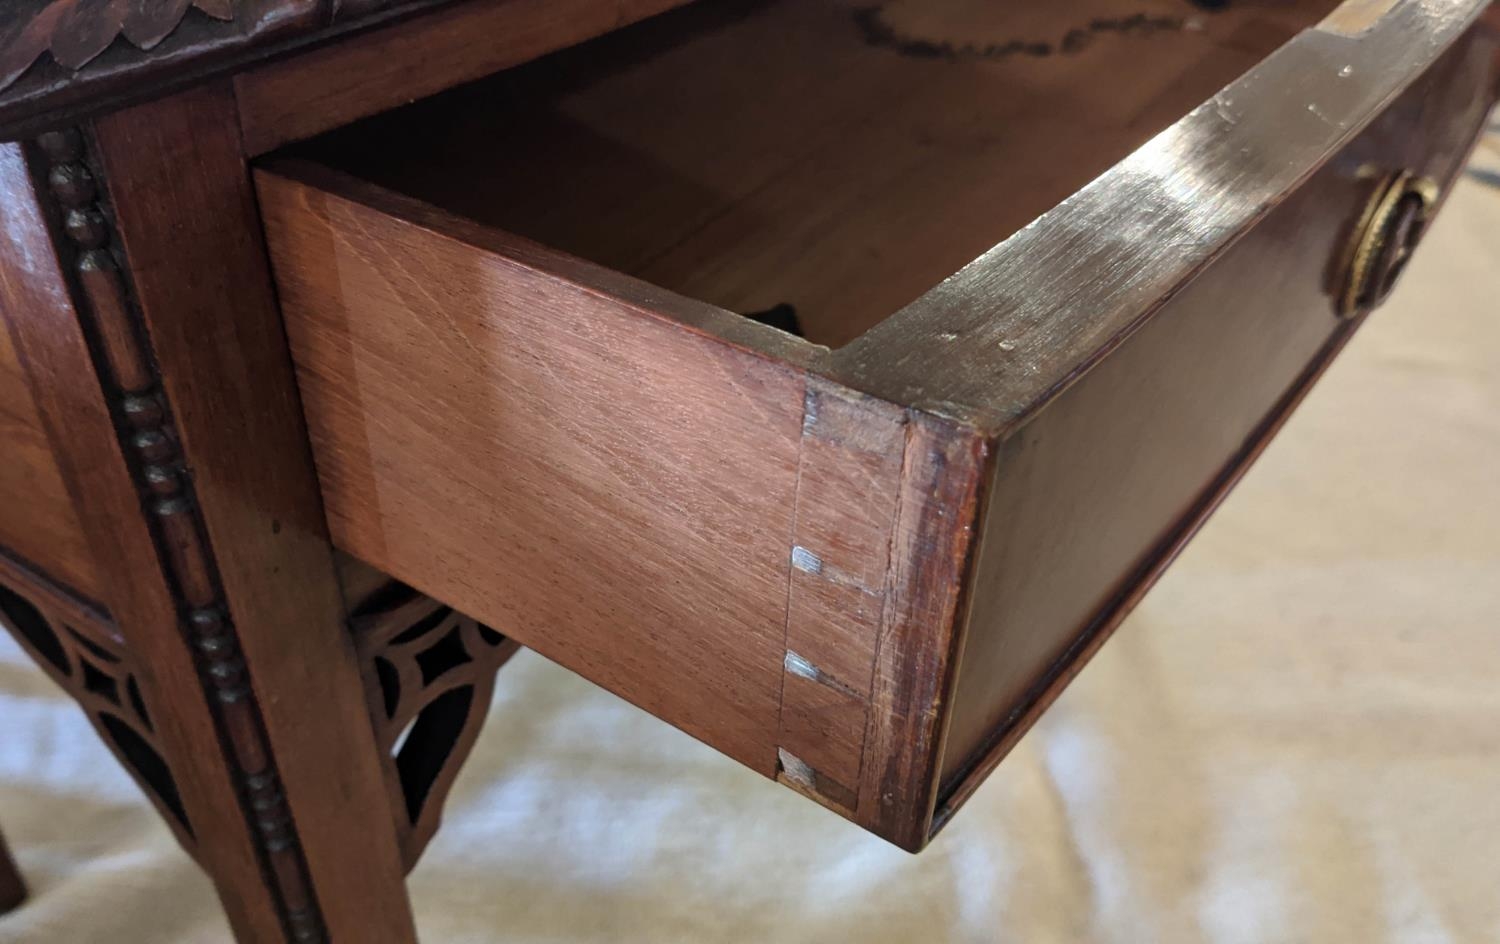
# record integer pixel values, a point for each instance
(136, 290)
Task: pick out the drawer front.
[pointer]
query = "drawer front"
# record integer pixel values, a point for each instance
(824, 563)
(1095, 493)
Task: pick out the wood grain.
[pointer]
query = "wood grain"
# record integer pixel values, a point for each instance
(61, 372)
(910, 657)
(848, 482)
(558, 451)
(766, 564)
(1001, 337)
(189, 229)
(297, 98)
(850, 176)
(37, 520)
(1151, 439)
(932, 546)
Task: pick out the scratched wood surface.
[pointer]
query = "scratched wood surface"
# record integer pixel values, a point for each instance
(1155, 435)
(1002, 336)
(904, 660)
(871, 150)
(772, 565)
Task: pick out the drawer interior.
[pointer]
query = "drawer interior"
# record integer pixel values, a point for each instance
(837, 156)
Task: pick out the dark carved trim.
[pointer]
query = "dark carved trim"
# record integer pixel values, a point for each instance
(75, 35)
(60, 59)
(429, 673)
(80, 649)
(95, 261)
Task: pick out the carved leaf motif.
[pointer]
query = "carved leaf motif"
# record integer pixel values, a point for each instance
(219, 9)
(148, 22)
(85, 29)
(75, 32)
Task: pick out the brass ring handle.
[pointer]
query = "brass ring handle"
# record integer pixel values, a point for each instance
(1388, 233)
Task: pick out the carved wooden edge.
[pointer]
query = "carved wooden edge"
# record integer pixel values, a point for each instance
(75, 36)
(61, 59)
(88, 248)
(429, 675)
(79, 648)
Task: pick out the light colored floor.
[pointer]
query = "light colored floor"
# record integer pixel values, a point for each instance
(1295, 738)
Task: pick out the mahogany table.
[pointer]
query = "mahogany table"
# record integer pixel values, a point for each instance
(826, 378)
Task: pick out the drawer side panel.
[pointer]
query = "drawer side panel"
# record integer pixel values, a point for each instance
(596, 481)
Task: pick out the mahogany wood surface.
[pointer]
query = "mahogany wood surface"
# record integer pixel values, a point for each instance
(75, 407)
(295, 98)
(63, 59)
(927, 586)
(430, 674)
(856, 168)
(859, 562)
(627, 485)
(188, 226)
(852, 450)
(1002, 558)
(37, 519)
(585, 462)
(1004, 335)
(1092, 490)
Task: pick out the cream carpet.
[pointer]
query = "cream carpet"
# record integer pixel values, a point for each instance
(1295, 738)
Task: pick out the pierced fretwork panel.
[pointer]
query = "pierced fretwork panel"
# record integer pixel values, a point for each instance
(429, 673)
(83, 655)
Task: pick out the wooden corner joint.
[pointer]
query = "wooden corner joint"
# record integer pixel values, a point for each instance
(847, 484)
(796, 773)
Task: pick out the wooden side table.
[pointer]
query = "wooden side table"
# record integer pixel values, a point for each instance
(249, 383)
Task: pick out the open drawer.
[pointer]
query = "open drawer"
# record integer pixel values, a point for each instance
(860, 561)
